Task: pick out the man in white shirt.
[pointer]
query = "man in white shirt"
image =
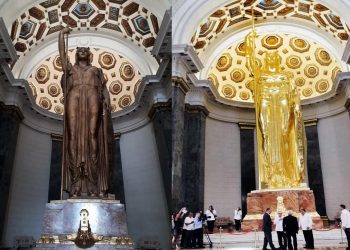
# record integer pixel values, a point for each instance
(345, 222)
(279, 229)
(238, 217)
(210, 214)
(305, 224)
(189, 227)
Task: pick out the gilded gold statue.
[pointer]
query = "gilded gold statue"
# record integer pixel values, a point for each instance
(281, 140)
(88, 134)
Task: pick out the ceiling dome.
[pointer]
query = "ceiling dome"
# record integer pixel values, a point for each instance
(313, 68)
(123, 80)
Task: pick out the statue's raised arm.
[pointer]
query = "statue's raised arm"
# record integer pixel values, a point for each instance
(62, 47)
(250, 53)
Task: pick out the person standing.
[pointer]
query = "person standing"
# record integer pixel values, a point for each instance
(291, 228)
(238, 218)
(345, 222)
(282, 241)
(189, 224)
(198, 230)
(210, 215)
(305, 224)
(267, 229)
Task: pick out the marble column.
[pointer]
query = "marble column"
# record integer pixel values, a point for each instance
(55, 169)
(180, 87)
(10, 119)
(160, 115)
(117, 186)
(314, 168)
(193, 157)
(248, 183)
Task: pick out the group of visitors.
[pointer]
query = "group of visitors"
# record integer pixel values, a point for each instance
(287, 229)
(190, 227)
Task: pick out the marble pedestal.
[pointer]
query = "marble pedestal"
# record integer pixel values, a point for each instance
(107, 220)
(259, 200)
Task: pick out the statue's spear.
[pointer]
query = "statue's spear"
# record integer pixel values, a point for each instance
(64, 108)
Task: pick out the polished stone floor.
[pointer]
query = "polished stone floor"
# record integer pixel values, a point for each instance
(331, 239)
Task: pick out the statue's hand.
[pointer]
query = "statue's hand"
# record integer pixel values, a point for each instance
(66, 30)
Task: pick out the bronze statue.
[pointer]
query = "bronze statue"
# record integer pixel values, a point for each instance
(280, 129)
(88, 133)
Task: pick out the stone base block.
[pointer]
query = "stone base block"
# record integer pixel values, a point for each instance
(107, 220)
(294, 199)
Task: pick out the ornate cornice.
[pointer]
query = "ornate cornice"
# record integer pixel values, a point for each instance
(196, 109)
(13, 108)
(180, 83)
(160, 106)
(311, 122)
(246, 125)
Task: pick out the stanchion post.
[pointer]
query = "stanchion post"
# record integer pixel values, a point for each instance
(341, 234)
(220, 243)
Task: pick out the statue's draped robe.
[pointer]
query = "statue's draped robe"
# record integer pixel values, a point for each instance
(80, 168)
(280, 132)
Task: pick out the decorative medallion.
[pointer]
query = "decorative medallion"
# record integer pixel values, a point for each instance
(300, 81)
(323, 57)
(42, 74)
(272, 41)
(214, 80)
(250, 85)
(54, 90)
(307, 92)
(45, 103)
(58, 109)
(107, 60)
(240, 49)
(229, 91)
(126, 71)
(224, 62)
(116, 87)
(244, 95)
(311, 70)
(124, 101)
(57, 64)
(237, 75)
(322, 86)
(136, 87)
(293, 62)
(299, 45)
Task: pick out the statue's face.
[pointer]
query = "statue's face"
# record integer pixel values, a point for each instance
(83, 53)
(272, 59)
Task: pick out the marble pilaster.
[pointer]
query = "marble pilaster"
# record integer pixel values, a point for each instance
(117, 185)
(247, 162)
(162, 123)
(10, 119)
(193, 157)
(180, 87)
(314, 168)
(55, 169)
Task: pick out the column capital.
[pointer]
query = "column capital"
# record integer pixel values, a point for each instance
(117, 136)
(196, 109)
(13, 108)
(57, 137)
(180, 83)
(311, 122)
(246, 125)
(159, 106)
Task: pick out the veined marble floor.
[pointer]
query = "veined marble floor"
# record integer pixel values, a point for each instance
(323, 240)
